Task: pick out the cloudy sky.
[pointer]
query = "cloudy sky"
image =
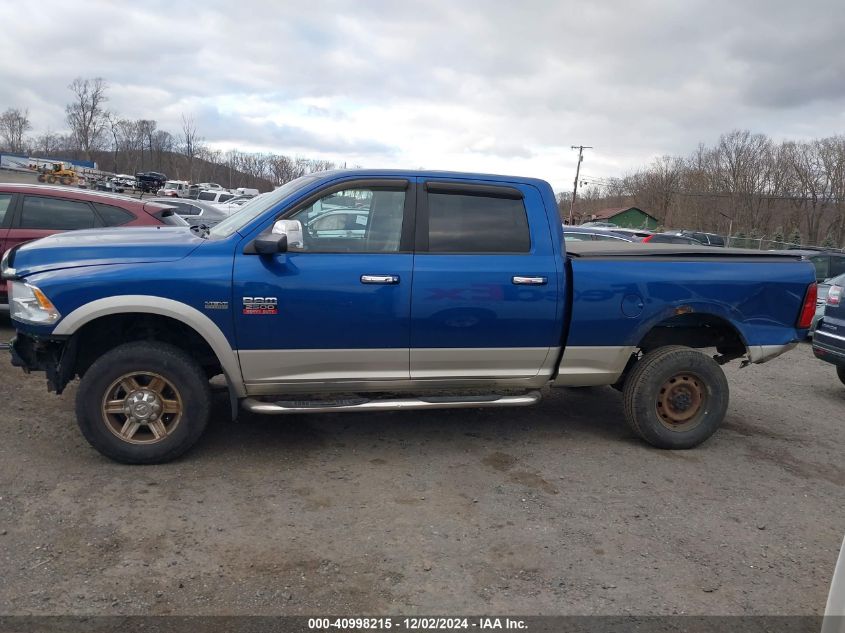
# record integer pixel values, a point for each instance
(498, 86)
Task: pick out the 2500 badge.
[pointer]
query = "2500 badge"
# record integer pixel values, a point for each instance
(261, 305)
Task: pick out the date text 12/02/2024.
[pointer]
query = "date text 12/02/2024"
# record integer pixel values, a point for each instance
(416, 624)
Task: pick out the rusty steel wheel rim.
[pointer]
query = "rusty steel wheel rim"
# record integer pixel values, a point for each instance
(142, 408)
(681, 401)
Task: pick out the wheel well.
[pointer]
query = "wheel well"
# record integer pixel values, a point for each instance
(99, 336)
(696, 330)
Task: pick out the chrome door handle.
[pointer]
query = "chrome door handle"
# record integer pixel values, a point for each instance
(529, 281)
(379, 279)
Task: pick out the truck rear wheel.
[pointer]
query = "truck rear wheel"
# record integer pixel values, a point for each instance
(840, 371)
(675, 397)
(143, 403)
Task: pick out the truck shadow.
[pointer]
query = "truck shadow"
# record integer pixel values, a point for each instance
(579, 414)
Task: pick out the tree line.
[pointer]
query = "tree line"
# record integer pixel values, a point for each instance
(746, 184)
(122, 145)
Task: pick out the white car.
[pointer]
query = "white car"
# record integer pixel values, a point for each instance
(214, 196)
(175, 188)
(127, 181)
(230, 206)
(209, 185)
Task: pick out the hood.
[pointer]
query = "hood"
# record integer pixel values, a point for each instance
(96, 247)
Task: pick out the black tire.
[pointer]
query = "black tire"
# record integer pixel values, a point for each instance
(185, 389)
(659, 386)
(840, 371)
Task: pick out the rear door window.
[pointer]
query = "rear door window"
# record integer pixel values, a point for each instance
(113, 216)
(464, 223)
(185, 208)
(837, 265)
(822, 264)
(206, 195)
(56, 214)
(5, 204)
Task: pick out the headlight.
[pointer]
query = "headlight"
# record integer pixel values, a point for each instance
(29, 305)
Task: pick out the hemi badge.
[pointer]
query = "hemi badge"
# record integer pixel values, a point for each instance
(216, 305)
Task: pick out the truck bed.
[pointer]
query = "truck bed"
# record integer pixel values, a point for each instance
(613, 250)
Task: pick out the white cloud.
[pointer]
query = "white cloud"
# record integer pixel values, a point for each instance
(474, 85)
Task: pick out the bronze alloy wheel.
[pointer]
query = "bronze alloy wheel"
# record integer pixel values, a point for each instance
(680, 402)
(142, 408)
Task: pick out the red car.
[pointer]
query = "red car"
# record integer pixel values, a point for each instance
(29, 212)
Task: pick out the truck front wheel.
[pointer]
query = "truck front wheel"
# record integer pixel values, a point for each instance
(675, 397)
(143, 403)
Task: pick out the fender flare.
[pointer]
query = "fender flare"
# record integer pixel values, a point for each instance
(190, 316)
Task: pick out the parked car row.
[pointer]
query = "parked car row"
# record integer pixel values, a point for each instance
(604, 231)
(828, 263)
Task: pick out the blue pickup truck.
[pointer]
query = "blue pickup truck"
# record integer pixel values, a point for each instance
(387, 290)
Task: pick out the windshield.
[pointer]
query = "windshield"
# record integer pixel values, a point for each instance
(255, 207)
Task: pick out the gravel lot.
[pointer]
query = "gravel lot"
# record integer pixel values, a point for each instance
(555, 509)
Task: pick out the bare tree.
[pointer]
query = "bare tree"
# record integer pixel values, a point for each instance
(814, 192)
(86, 114)
(191, 142)
(14, 123)
(47, 144)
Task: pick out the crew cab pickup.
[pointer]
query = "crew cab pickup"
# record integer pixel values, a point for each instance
(362, 291)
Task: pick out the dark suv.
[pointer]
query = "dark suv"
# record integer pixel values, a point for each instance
(150, 181)
(829, 337)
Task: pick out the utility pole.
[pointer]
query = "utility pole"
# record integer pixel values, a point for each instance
(731, 229)
(580, 149)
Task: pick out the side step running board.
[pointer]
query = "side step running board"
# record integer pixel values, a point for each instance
(362, 404)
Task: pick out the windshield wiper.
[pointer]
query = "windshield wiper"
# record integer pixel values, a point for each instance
(200, 229)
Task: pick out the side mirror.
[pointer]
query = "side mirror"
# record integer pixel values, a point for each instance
(271, 245)
(292, 229)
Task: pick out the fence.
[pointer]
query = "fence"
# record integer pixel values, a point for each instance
(766, 244)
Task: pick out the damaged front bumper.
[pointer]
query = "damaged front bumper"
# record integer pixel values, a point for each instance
(54, 356)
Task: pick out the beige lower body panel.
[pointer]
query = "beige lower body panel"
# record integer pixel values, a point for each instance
(762, 353)
(301, 365)
(271, 372)
(591, 366)
(486, 362)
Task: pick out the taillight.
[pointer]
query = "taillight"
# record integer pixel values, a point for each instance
(808, 310)
(834, 295)
(648, 239)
